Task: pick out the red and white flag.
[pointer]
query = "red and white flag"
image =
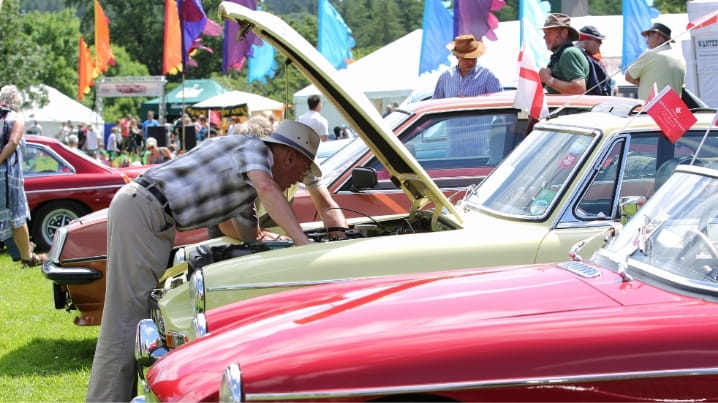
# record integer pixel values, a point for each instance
(671, 114)
(706, 20)
(651, 94)
(529, 91)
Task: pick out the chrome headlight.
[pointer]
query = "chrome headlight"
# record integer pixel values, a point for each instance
(196, 292)
(148, 345)
(200, 325)
(230, 390)
(58, 241)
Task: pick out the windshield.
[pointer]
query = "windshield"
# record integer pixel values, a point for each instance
(673, 236)
(527, 182)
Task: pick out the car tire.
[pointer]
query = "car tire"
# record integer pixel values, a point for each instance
(48, 218)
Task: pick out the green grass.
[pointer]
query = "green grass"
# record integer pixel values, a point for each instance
(44, 357)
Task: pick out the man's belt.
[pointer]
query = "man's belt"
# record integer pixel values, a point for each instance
(155, 191)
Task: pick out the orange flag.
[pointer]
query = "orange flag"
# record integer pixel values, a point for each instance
(103, 51)
(172, 54)
(85, 70)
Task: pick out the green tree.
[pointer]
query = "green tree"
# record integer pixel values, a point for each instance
(22, 59)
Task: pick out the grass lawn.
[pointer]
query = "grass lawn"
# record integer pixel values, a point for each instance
(44, 357)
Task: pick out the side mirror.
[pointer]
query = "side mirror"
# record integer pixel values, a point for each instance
(363, 178)
(629, 206)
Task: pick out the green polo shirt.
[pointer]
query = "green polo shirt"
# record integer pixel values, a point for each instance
(571, 65)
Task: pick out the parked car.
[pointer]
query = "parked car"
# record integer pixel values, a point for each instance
(563, 184)
(634, 323)
(435, 133)
(62, 184)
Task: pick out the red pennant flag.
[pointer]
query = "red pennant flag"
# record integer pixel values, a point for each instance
(172, 53)
(671, 114)
(85, 70)
(706, 20)
(103, 51)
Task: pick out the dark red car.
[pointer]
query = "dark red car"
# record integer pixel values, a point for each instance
(62, 184)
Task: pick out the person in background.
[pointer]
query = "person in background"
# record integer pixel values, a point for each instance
(92, 142)
(145, 214)
(124, 125)
(112, 148)
(314, 119)
(155, 154)
(72, 142)
(36, 128)
(467, 78)
(137, 140)
(658, 65)
(14, 210)
(590, 40)
(568, 68)
(149, 122)
(202, 129)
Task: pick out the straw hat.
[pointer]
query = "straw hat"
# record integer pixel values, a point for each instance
(299, 137)
(467, 47)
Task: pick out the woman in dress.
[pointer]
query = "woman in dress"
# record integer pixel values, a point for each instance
(14, 210)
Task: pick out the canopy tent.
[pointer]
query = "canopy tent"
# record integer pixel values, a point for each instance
(59, 109)
(182, 97)
(239, 103)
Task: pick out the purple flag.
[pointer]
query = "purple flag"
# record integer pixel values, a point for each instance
(192, 20)
(475, 17)
(236, 52)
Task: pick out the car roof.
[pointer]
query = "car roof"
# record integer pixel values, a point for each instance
(355, 107)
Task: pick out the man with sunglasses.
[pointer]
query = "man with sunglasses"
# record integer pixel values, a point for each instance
(218, 180)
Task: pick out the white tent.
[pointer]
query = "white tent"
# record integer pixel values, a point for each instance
(255, 103)
(61, 108)
(391, 73)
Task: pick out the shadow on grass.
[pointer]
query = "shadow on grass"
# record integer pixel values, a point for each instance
(48, 356)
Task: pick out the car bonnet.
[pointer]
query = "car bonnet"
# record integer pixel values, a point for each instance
(355, 107)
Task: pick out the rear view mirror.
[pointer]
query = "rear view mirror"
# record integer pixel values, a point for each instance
(363, 178)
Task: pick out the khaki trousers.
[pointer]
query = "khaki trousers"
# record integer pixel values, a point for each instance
(140, 236)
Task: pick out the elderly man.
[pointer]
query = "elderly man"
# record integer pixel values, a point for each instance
(144, 215)
(568, 68)
(467, 78)
(658, 64)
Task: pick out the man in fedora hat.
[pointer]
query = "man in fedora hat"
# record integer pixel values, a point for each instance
(467, 78)
(218, 180)
(658, 65)
(568, 68)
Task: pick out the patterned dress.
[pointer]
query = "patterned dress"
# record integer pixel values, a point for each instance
(14, 210)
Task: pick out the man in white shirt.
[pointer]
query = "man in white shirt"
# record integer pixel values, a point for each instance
(314, 119)
(92, 142)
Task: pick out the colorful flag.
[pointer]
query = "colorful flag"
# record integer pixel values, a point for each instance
(172, 53)
(235, 52)
(637, 16)
(192, 20)
(262, 64)
(85, 71)
(475, 17)
(651, 94)
(103, 51)
(436, 33)
(335, 37)
(532, 14)
(529, 91)
(706, 20)
(671, 114)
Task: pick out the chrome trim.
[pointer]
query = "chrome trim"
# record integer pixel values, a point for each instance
(489, 384)
(580, 269)
(58, 243)
(148, 344)
(286, 284)
(230, 390)
(81, 189)
(197, 293)
(199, 323)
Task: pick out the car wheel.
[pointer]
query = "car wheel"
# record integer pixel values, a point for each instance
(48, 218)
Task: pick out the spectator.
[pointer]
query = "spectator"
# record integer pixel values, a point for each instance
(36, 128)
(658, 65)
(112, 147)
(13, 202)
(72, 142)
(467, 78)
(156, 154)
(145, 214)
(590, 40)
(124, 124)
(137, 140)
(314, 119)
(568, 68)
(92, 142)
(64, 132)
(202, 129)
(149, 122)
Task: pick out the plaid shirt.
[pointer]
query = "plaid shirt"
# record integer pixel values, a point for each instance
(480, 81)
(209, 184)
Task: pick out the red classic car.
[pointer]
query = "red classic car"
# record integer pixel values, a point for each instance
(637, 322)
(62, 184)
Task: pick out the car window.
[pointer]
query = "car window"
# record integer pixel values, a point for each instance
(458, 142)
(649, 160)
(37, 160)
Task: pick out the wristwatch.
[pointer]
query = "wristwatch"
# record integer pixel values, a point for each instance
(550, 81)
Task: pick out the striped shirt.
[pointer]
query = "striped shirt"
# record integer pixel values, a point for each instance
(480, 81)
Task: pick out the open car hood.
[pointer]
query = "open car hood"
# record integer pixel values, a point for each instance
(356, 108)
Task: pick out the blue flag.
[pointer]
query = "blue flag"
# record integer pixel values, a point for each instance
(437, 31)
(637, 16)
(335, 37)
(532, 14)
(262, 64)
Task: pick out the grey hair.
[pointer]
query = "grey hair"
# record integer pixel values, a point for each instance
(10, 96)
(258, 125)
